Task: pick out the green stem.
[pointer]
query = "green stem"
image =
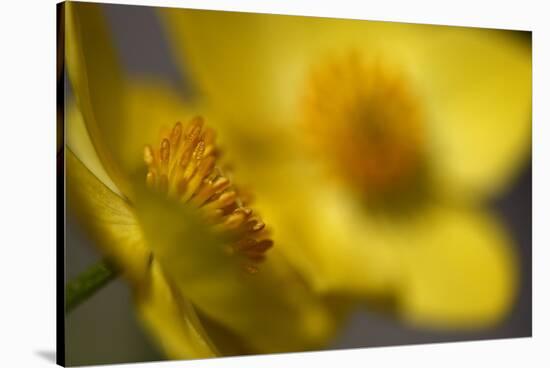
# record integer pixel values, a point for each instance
(88, 283)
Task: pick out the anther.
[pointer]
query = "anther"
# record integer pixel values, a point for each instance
(199, 151)
(245, 210)
(194, 128)
(176, 134)
(206, 166)
(233, 221)
(244, 244)
(165, 150)
(148, 155)
(220, 184)
(261, 246)
(226, 198)
(258, 226)
(150, 179)
(185, 158)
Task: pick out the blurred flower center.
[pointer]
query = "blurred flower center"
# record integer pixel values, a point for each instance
(367, 122)
(184, 167)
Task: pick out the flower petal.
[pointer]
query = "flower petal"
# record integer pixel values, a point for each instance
(251, 64)
(218, 66)
(329, 238)
(441, 267)
(97, 82)
(272, 310)
(460, 271)
(80, 144)
(108, 218)
(172, 319)
(480, 97)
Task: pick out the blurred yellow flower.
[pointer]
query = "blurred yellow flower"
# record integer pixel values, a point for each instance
(373, 147)
(195, 268)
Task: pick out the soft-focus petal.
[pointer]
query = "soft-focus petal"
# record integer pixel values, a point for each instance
(271, 310)
(171, 319)
(442, 267)
(460, 270)
(252, 64)
(328, 236)
(108, 218)
(479, 85)
(228, 71)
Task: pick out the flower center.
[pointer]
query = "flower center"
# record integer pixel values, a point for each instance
(367, 122)
(184, 167)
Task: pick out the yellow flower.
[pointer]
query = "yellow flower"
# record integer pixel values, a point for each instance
(160, 206)
(409, 129)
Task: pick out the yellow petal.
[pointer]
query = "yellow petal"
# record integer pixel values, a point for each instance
(172, 319)
(271, 310)
(479, 86)
(108, 218)
(444, 267)
(214, 57)
(97, 82)
(329, 237)
(80, 144)
(256, 63)
(459, 270)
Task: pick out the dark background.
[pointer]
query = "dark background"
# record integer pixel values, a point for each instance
(104, 329)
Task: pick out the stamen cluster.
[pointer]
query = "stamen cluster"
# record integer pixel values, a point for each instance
(184, 167)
